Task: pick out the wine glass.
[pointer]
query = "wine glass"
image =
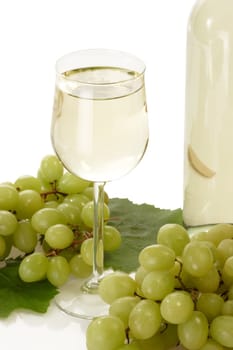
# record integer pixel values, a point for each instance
(100, 133)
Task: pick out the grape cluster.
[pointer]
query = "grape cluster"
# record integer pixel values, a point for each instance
(48, 220)
(181, 294)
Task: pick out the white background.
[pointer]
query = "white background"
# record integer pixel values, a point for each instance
(33, 34)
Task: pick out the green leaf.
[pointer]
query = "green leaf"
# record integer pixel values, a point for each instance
(16, 294)
(138, 224)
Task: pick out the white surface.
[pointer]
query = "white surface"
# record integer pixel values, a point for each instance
(33, 35)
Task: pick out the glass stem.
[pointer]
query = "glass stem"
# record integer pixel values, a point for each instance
(98, 228)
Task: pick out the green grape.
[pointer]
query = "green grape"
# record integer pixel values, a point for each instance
(79, 268)
(9, 243)
(227, 308)
(116, 285)
(219, 232)
(208, 283)
(140, 274)
(8, 223)
(33, 267)
(9, 197)
(46, 217)
(58, 271)
(87, 249)
(221, 330)
(211, 345)
(28, 182)
(2, 247)
(72, 213)
(145, 319)
(112, 238)
(225, 249)
(59, 236)
(157, 257)
(122, 307)
(157, 284)
(197, 258)
(199, 236)
(170, 336)
(90, 194)
(29, 202)
(193, 333)
(25, 237)
(71, 184)
(51, 169)
(177, 307)
(228, 266)
(87, 213)
(156, 342)
(78, 200)
(105, 332)
(174, 236)
(210, 304)
(51, 204)
(132, 346)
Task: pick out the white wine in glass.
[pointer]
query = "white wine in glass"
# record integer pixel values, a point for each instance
(100, 133)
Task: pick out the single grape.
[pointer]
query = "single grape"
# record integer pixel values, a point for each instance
(29, 202)
(174, 236)
(78, 200)
(122, 307)
(79, 268)
(51, 204)
(9, 197)
(228, 266)
(9, 244)
(46, 217)
(208, 283)
(177, 307)
(145, 319)
(87, 252)
(193, 333)
(33, 267)
(72, 213)
(227, 308)
(2, 246)
(221, 330)
(170, 336)
(225, 249)
(197, 258)
(210, 304)
(140, 274)
(51, 169)
(87, 213)
(105, 332)
(156, 342)
(28, 182)
(59, 236)
(157, 257)
(70, 184)
(157, 284)
(116, 285)
(219, 232)
(25, 237)
(211, 345)
(112, 238)
(8, 223)
(58, 271)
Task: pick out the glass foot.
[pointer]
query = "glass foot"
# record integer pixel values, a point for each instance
(75, 301)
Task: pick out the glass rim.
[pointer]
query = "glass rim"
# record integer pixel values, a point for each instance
(130, 58)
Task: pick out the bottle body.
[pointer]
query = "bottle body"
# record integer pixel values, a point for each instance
(208, 148)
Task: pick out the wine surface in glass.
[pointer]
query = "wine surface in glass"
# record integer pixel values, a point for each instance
(100, 128)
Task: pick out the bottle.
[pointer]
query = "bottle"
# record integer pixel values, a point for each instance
(208, 144)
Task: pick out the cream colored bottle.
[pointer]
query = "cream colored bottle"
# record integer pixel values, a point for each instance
(208, 150)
